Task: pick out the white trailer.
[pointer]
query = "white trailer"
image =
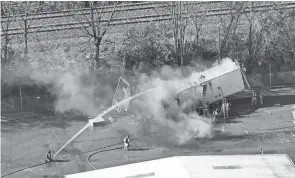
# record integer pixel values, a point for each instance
(214, 84)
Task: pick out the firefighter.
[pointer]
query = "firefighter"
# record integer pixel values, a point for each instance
(254, 99)
(126, 143)
(204, 91)
(206, 108)
(48, 157)
(261, 98)
(215, 114)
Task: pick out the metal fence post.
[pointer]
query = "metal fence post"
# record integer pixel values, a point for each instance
(21, 99)
(269, 74)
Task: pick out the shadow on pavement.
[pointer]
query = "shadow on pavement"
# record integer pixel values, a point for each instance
(59, 160)
(20, 119)
(243, 106)
(139, 149)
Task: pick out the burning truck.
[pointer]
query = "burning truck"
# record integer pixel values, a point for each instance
(208, 86)
(212, 86)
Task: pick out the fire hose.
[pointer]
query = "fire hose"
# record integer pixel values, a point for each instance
(24, 169)
(40, 164)
(36, 165)
(116, 148)
(101, 149)
(84, 128)
(88, 159)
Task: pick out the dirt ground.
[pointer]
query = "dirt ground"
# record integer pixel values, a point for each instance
(28, 135)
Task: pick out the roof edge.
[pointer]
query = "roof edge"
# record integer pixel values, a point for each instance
(290, 160)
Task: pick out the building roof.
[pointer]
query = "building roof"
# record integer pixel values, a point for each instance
(225, 166)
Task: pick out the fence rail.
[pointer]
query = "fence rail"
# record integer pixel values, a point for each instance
(271, 79)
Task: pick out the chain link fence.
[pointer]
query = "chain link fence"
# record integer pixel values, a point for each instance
(272, 79)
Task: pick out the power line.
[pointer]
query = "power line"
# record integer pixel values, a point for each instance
(86, 11)
(53, 14)
(134, 20)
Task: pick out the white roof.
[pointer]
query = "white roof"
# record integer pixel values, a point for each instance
(156, 168)
(225, 166)
(219, 70)
(241, 166)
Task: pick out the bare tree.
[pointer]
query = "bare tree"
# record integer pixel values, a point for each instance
(259, 38)
(95, 28)
(179, 21)
(22, 14)
(199, 20)
(4, 27)
(229, 26)
(257, 26)
(277, 37)
(250, 18)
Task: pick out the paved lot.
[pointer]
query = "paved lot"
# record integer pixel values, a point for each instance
(27, 136)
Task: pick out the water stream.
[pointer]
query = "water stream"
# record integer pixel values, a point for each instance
(100, 115)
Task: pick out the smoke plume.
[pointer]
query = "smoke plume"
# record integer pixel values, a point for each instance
(73, 90)
(161, 107)
(85, 92)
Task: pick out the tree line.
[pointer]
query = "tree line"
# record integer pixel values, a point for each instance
(262, 41)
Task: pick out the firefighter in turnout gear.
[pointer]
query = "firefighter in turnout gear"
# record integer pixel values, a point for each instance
(48, 157)
(254, 99)
(261, 98)
(126, 143)
(204, 90)
(215, 114)
(206, 108)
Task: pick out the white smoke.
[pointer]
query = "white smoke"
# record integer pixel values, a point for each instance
(74, 90)
(161, 106)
